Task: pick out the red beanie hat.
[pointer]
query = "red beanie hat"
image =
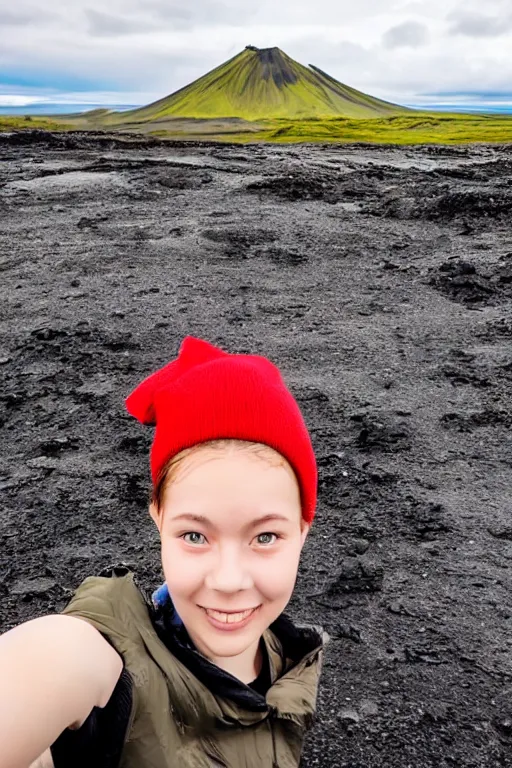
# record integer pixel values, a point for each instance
(206, 393)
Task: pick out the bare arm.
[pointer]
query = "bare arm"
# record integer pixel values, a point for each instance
(54, 670)
(45, 761)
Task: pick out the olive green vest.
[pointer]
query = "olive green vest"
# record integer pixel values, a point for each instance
(175, 720)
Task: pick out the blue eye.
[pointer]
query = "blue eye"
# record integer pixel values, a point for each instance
(266, 537)
(195, 537)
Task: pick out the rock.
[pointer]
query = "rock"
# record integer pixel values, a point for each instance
(32, 586)
(504, 726)
(56, 445)
(359, 546)
(42, 462)
(398, 608)
(350, 715)
(347, 631)
(501, 531)
(461, 282)
(369, 708)
(356, 576)
(380, 433)
(422, 655)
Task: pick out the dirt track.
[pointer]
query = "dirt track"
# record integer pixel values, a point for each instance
(380, 281)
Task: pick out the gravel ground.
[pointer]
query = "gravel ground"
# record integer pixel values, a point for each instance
(379, 279)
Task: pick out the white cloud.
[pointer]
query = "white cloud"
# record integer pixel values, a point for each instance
(22, 15)
(106, 25)
(410, 34)
(480, 25)
(182, 14)
(18, 101)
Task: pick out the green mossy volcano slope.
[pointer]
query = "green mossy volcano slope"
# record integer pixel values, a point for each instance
(263, 84)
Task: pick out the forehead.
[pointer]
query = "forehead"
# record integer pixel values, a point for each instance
(240, 482)
(251, 461)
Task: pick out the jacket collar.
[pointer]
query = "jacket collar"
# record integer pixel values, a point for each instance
(286, 645)
(204, 695)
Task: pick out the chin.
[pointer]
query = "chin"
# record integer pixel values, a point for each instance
(227, 649)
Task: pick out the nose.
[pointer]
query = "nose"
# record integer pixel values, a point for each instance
(229, 573)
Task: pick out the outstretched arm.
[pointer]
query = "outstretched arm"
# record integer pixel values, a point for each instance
(45, 761)
(54, 670)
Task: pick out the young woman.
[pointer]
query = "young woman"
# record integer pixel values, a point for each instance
(210, 671)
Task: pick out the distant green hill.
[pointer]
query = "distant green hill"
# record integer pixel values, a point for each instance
(264, 83)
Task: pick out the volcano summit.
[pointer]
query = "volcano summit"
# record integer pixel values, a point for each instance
(265, 83)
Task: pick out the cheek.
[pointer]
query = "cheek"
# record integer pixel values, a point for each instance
(275, 576)
(183, 572)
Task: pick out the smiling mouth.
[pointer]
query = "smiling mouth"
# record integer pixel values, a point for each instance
(230, 617)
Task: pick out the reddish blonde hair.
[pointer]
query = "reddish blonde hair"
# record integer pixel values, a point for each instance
(171, 467)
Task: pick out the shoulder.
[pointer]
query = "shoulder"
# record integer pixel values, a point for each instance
(114, 604)
(107, 591)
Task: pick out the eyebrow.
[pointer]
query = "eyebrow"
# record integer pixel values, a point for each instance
(208, 523)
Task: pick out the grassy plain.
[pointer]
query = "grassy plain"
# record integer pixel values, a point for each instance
(420, 128)
(8, 123)
(417, 128)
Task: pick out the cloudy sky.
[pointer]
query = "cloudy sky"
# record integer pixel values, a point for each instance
(134, 51)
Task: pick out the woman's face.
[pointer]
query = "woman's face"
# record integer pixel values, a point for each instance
(232, 533)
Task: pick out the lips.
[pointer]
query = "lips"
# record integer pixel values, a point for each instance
(229, 620)
(229, 617)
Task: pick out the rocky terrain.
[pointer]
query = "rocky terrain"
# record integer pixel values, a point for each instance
(379, 279)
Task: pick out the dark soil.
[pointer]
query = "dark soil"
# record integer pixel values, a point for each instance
(379, 279)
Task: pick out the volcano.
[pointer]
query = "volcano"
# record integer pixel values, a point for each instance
(265, 83)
